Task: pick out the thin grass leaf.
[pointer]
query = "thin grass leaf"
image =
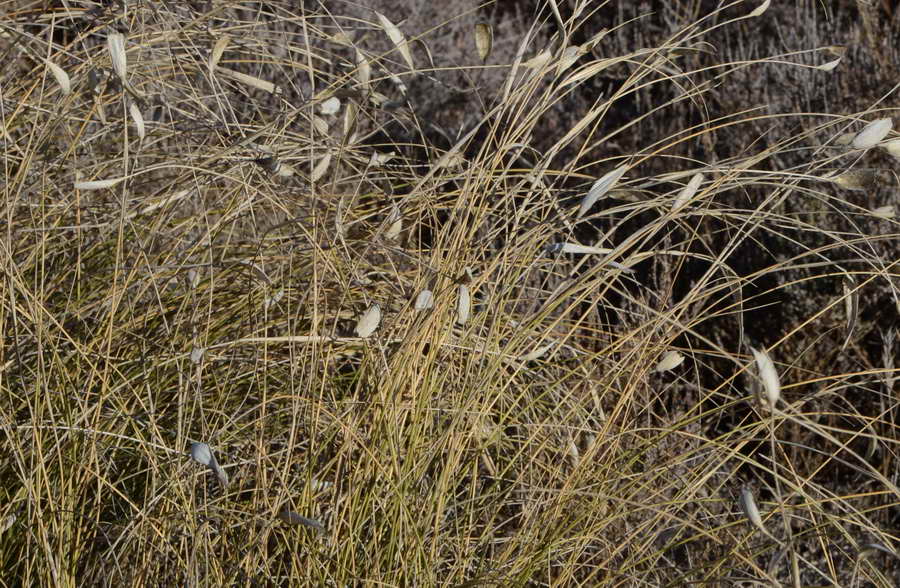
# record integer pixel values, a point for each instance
(872, 133)
(397, 38)
(368, 322)
(771, 384)
(600, 188)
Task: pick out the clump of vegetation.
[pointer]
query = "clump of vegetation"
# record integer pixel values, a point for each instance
(571, 293)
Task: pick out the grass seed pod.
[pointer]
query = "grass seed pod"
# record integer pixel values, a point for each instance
(424, 300)
(463, 305)
(769, 377)
(872, 133)
(368, 322)
(600, 187)
(115, 44)
(397, 38)
(138, 119)
(61, 77)
(289, 517)
(97, 184)
(484, 40)
(687, 193)
(202, 454)
(670, 360)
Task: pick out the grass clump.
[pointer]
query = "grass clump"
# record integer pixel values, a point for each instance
(476, 296)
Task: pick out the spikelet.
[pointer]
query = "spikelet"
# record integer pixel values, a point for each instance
(892, 147)
(62, 78)
(397, 39)
(759, 10)
(363, 71)
(870, 549)
(569, 56)
(670, 360)
(138, 119)
(851, 305)
(320, 125)
(484, 40)
(885, 212)
(576, 248)
(854, 179)
(379, 159)
(872, 133)
(463, 305)
(274, 299)
(687, 193)
(330, 106)
(202, 454)
(424, 300)
(197, 354)
(395, 224)
(538, 353)
(7, 522)
(351, 114)
(769, 377)
(98, 184)
(193, 278)
(830, 65)
(289, 517)
(115, 44)
(748, 505)
(321, 168)
(600, 187)
(539, 61)
(368, 322)
(217, 51)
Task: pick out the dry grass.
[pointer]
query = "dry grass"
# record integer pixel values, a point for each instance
(213, 295)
